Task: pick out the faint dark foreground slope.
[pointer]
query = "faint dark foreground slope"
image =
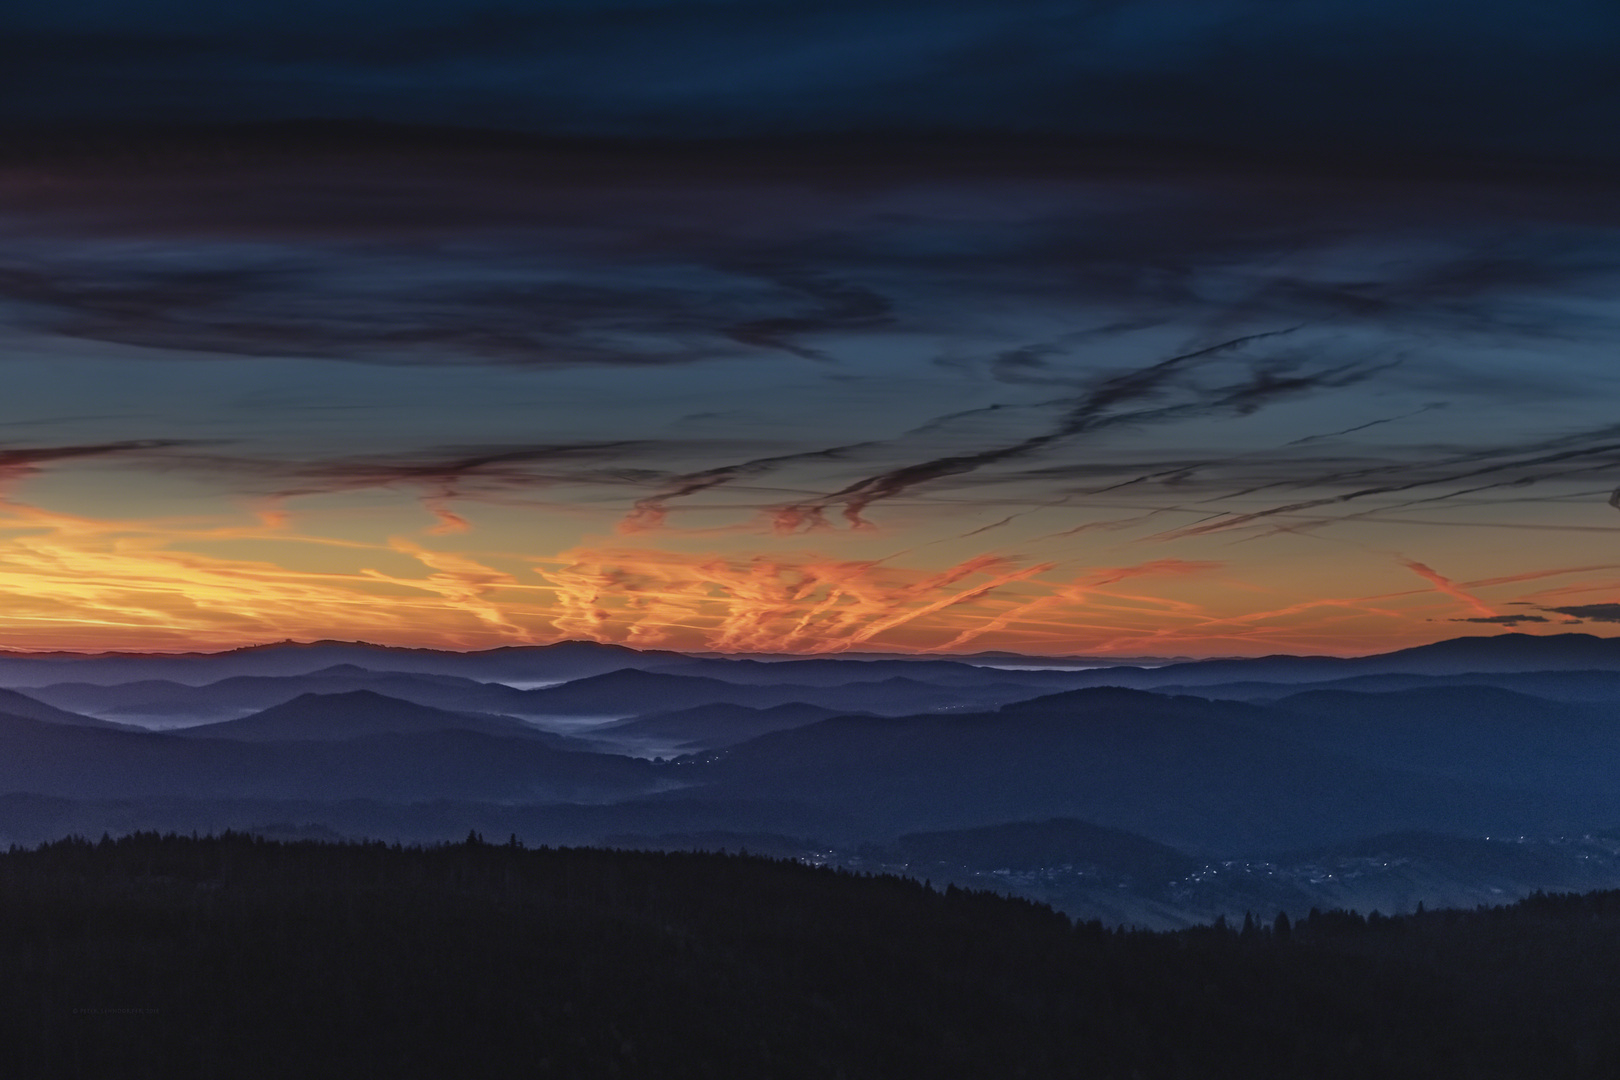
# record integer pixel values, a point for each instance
(232, 956)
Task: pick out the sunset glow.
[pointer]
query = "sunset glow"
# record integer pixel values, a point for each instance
(914, 413)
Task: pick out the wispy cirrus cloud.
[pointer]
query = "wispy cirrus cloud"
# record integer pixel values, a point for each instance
(802, 601)
(1028, 369)
(18, 463)
(86, 583)
(472, 259)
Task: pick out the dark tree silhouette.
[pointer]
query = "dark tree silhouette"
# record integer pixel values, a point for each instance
(234, 956)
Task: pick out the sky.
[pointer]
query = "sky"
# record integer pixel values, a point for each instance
(1127, 328)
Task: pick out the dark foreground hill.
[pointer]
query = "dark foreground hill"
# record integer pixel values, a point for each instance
(236, 956)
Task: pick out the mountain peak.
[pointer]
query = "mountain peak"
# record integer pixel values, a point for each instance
(347, 715)
(586, 646)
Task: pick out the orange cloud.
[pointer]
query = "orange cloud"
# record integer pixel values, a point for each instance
(1075, 594)
(364, 568)
(76, 582)
(797, 603)
(448, 520)
(1447, 586)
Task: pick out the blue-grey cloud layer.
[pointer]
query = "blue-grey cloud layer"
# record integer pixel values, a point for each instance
(1235, 353)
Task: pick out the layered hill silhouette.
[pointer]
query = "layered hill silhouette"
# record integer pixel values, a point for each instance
(522, 663)
(164, 702)
(1251, 762)
(403, 766)
(1570, 686)
(13, 703)
(1457, 656)
(620, 693)
(1200, 775)
(708, 727)
(356, 714)
(569, 660)
(840, 672)
(1475, 732)
(632, 692)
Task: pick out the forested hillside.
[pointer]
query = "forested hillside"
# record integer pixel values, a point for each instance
(234, 956)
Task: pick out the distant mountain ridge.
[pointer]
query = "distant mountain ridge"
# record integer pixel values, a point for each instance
(1226, 762)
(1500, 653)
(535, 663)
(352, 715)
(175, 703)
(401, 767)
(633, 691)
(707, 727)
(569, 660)
(24, 705)
(1194, 774)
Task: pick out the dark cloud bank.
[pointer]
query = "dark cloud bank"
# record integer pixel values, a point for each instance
(1137, 292)
(1303, 195)
(1503, 77)
(1609, 613)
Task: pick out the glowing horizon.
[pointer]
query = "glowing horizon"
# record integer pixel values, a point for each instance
(1182, 414)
